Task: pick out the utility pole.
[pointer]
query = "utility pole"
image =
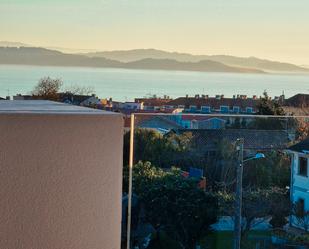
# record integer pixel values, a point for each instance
(238, 196)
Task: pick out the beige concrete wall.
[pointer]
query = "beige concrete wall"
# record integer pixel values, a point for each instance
(60, 181)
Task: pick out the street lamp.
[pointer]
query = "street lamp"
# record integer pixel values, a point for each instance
(238, 197)
(256, 156)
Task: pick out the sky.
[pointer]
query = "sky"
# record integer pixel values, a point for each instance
(272, 29)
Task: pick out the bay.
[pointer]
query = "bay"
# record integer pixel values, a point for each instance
(125, 85)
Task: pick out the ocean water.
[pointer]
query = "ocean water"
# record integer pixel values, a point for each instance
(125, 85)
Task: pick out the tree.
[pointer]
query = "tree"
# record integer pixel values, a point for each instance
(162, 151)
(263, 204)
(80, 90)
(47, 89)
(174, 204)
(220, 171)
(258, 206)
(273, 171)
(267, 106)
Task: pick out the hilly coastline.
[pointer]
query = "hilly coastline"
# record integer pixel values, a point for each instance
(47, 57)
(234, 61)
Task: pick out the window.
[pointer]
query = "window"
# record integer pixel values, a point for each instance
(193, 108)
(205, 109)
(301, 206)
(224, 109)
(303, 166)
(236, 109)
(249, 110)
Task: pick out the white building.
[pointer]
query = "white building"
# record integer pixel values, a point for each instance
(299, 189)
(132, 106)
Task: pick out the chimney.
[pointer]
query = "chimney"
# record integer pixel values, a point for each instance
(187, 96)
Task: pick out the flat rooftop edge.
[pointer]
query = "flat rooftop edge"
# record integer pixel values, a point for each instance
(46, 107)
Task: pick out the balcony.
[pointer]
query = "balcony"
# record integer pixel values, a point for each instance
(60, 176)
(181, 163)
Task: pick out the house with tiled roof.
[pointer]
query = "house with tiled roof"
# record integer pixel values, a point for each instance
(154, 103)
(218, 104)
(299, 100)
(159, 123)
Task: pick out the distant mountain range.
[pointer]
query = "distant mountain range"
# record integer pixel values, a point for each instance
(64, 50)
(13, 44)
(150, 59)
(46, 57)
(249, 62)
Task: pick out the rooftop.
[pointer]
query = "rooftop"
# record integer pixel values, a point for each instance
(215, 102)
(45, 107)
(301, 146)
(254, 139)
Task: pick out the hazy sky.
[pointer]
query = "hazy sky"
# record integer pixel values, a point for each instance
(274, 29)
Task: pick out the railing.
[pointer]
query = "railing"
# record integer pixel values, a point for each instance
(190, 175)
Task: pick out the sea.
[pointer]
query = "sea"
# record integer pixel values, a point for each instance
(126, 84)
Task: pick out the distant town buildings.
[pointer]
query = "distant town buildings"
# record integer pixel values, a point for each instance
(184, 107)
(185, 112)
(218, 104)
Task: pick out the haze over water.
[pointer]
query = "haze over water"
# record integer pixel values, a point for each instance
(125, 85)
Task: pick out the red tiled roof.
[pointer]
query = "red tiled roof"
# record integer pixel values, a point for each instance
(130, 111)
(152, 101)
(197, 117)
(298, 100)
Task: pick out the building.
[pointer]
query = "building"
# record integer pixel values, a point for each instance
(299, 189)
(61, 176)
(132, 106)
(78, 99)
(298, 100)
(66, 97)
(92, 101)
(200, 121)
(239, 104)
(154, 103)
(22, 97)
(159, 123)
